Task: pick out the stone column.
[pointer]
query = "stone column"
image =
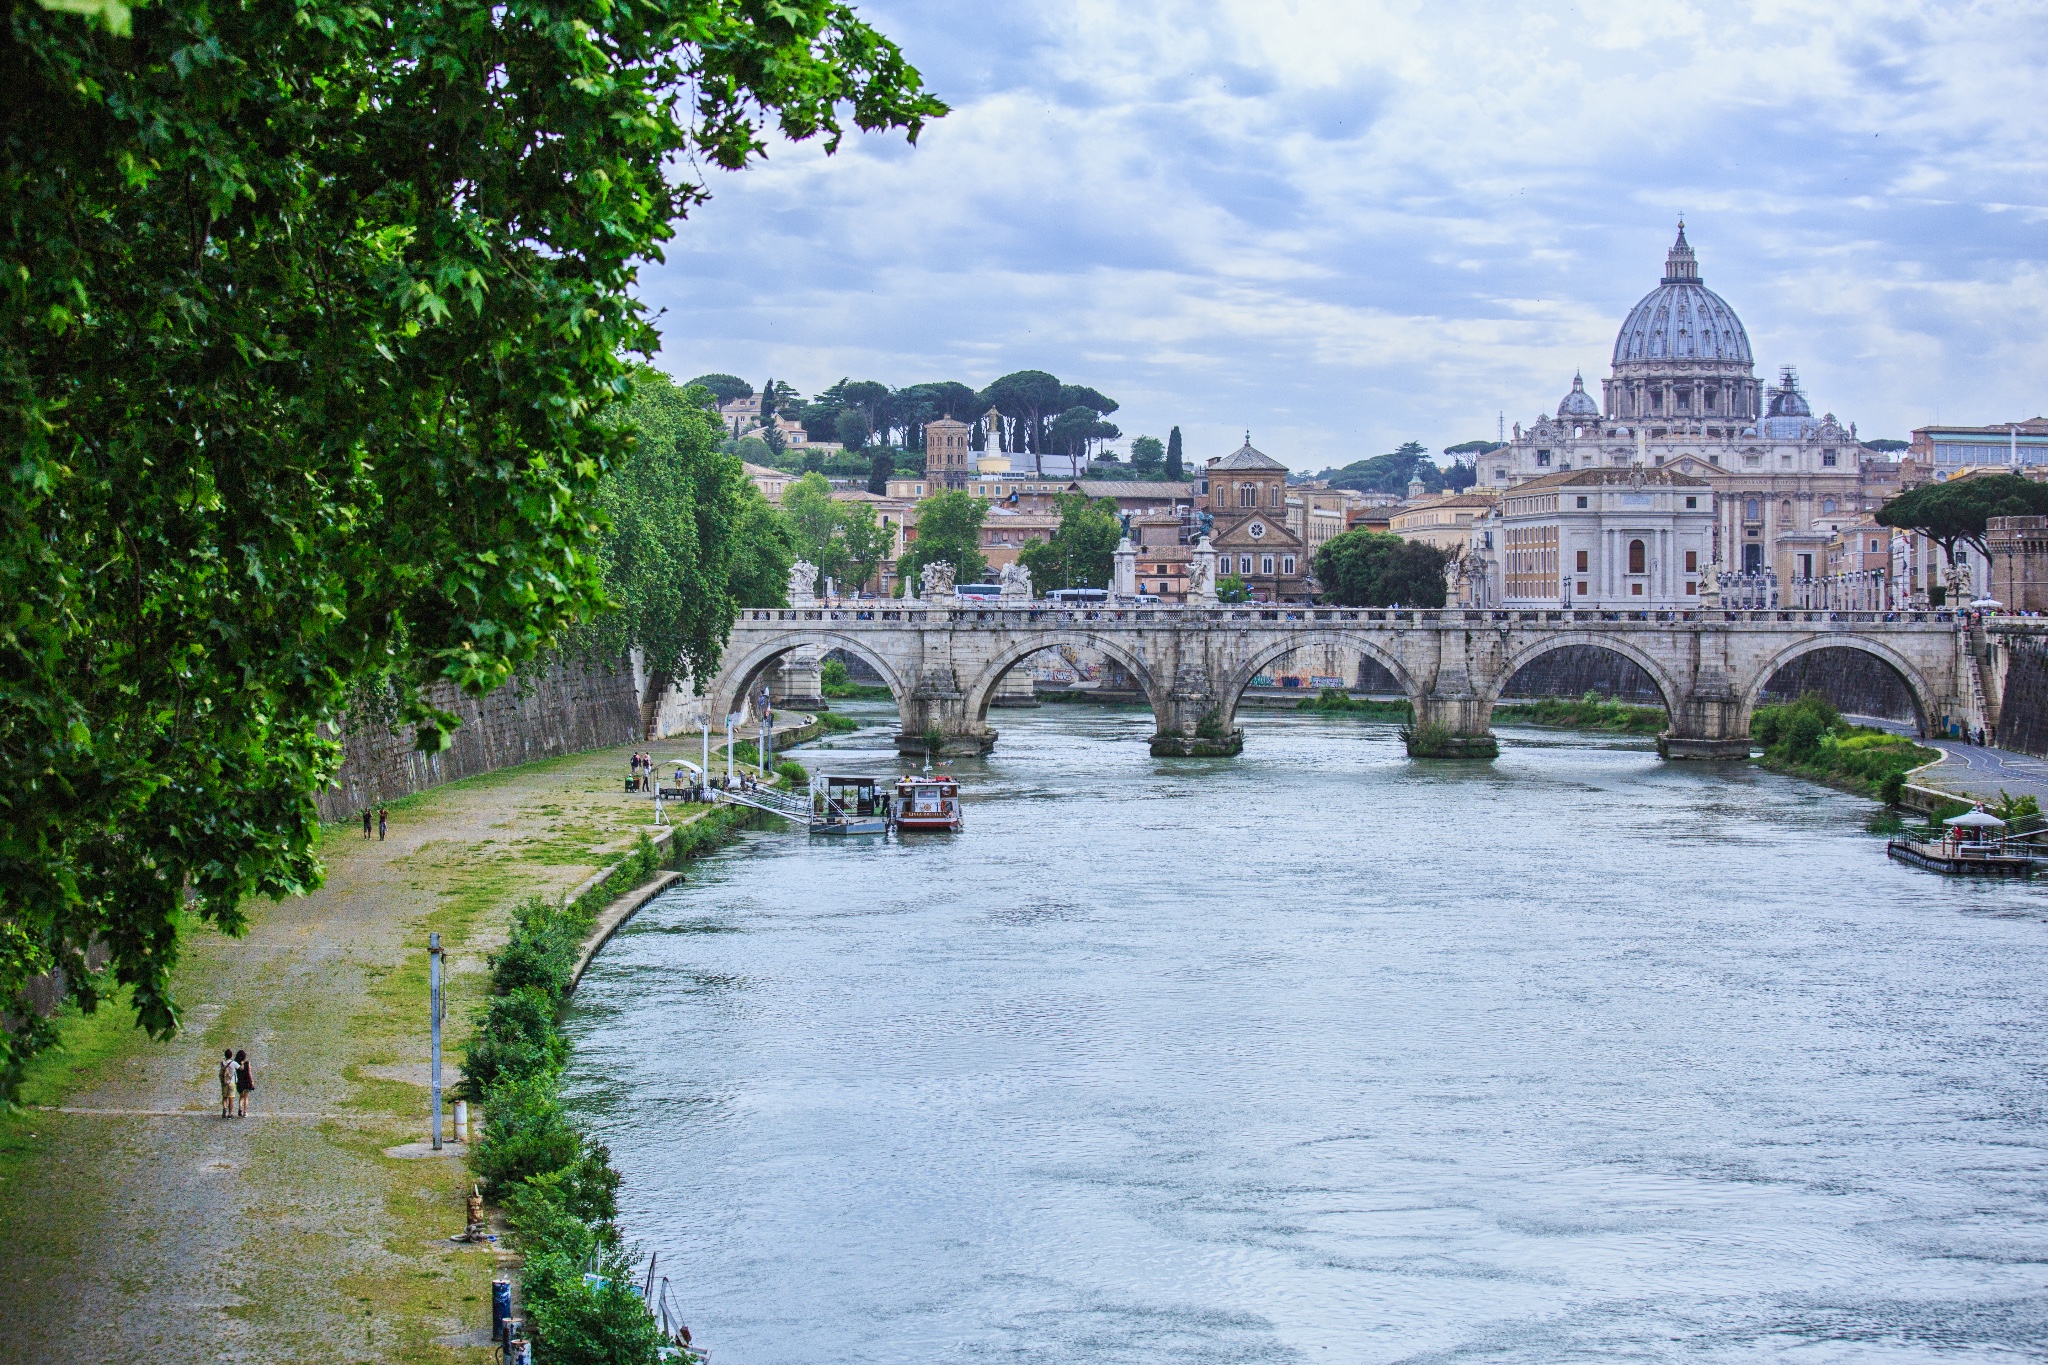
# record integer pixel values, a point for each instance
(1192, 723)
(1126, 569)
(1202, 582)
(1452, 721)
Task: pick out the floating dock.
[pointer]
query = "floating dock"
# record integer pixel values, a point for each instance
(1960, 860)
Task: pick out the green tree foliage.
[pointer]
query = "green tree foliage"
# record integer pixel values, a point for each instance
(727, 387)
(1032, 397)
(1082, 552)
(1373, 569)
(1886, 445)
(922, 403)
(1955, 513)
(1232, 588)
(1473, 448)
(674, 507)
(1176, 469)
(1078, 430)
(852, 428)
(1390, 473)
(948, 532)
(1460, 476)
(763, 552)
(1148, 457)
(815, 523)
(314, 322)
(883, 465)
(866, 540)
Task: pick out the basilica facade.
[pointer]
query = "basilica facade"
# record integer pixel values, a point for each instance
(1683, 396)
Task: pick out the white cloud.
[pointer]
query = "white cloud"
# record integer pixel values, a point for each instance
(1351, 225)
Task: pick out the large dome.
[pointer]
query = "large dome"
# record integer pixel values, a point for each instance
(1681, 319)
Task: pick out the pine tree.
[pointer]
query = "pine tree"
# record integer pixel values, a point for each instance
(768, 402)
(1174, 470)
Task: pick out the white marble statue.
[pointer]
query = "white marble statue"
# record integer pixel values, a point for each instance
(936, 580)
(803, 583)
(1016, 581)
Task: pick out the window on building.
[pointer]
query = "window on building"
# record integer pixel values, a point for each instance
(1244, 564)
(1713, 459)
(1636, 553)
(1266, 565)
(1691, 503)
(1827, 505)
(1287, 564)
(1500, 476)
(1582, 561)
(1827, 458)
(1247, 495)
(1692, 589)
(1582, 502)
(1692, 561)
(920, 490)
(1753, 510)
(1635, 590)
(1582, 587)
(1543, 459)
(1785, 509)
(1752, 559)
(1806, 566)
(1873, 546)
(1275, 499)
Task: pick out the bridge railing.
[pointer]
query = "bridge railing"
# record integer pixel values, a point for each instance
(1037, 614)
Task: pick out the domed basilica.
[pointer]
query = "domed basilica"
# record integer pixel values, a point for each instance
(1683, 396)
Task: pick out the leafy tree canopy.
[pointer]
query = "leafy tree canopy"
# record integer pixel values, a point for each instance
(1175, 470)
(948, 532)
(1887, 445)
(1232, 588)
(315, 324)
(1374, 569)
(1473, 448)
(1078, 429)
(727, 386)
(1956, 512)
(1148, 456)
(1082, 552)
(1390, 473)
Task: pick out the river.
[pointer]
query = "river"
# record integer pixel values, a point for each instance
(1319, 1054)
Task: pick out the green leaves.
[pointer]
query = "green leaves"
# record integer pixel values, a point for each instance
(315, 335)
(1372, 569)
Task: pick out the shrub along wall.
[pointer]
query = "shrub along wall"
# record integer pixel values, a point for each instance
(556, 1184)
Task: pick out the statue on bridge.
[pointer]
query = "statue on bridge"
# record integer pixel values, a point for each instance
(936, 581)
(1016, 581)
(803, 584)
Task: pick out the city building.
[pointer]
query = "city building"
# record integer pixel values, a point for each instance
(1245, 493)
(947, 460)
(1682, 393)
(1443, 520)
(1164, 557)
(1639, 538)
(1938, 452)
(1005, 533)
(2019, 561)
(771, 482)
(1319, 513)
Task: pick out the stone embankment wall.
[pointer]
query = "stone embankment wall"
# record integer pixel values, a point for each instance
(2023, 696)
(1576, 670)
(569, 707)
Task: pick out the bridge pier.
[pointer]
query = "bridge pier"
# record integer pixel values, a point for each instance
(1194, 722)
(799, 684)
(935, 721)
(1452, 721)
(1706, 723)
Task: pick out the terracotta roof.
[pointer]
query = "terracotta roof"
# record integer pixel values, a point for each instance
(1244, 457)
(1136, 488)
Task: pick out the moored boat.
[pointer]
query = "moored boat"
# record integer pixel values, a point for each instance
(848, 805)
(927, 803)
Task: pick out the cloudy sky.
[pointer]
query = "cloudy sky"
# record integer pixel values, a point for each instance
(1346, 225)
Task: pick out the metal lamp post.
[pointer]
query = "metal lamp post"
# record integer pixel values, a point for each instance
(434, 1011)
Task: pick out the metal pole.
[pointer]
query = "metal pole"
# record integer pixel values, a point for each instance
(705, 772)
(728, 749)
(434, 1007)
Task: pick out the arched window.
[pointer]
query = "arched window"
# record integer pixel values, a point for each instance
(1247, 495)
(1276, 496)
(1827, 504)
(1635, 556)
(1753, 510)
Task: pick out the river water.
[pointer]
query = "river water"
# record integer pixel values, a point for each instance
(1318, 1054)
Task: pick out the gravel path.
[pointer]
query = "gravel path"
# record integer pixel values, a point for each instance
(142, 1226)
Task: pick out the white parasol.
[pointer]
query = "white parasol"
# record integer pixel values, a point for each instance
(1976, 819)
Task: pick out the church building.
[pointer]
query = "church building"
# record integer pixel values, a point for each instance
(1683, 395)
(1245, 492)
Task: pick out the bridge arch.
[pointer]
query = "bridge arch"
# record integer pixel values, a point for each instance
(982, 689)
(1667, 687)
(1925, 698)
(738, 676)
(1263, 657)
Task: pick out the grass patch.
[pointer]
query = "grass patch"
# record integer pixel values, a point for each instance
(1808, 738)
(1589, 712)
(836, 724)
(85, 1045)
(1335, 701)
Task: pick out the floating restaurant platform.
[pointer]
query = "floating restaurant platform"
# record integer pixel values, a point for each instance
(1962, 860)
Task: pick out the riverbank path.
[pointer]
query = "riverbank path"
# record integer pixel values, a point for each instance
(1979, 771)
(139, 1225)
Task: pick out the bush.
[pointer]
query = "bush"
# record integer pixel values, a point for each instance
(515, 1040)
(792, 772)
(833, 675)
(1427, 739)
(835, 724)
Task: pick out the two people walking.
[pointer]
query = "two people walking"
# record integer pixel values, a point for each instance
(383, 821)
(236, 1081)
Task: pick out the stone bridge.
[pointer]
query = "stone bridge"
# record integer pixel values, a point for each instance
(944, 662)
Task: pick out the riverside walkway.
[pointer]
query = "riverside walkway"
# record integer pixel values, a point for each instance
(142, 1226)
(1980, 771)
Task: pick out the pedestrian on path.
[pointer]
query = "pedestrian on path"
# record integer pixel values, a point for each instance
(366, 822)
(245, 1082)
(383, 823)
(228, 1076)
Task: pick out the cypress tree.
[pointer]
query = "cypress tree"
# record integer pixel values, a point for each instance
(879, 470)
(768, 401)
(1174, 471)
